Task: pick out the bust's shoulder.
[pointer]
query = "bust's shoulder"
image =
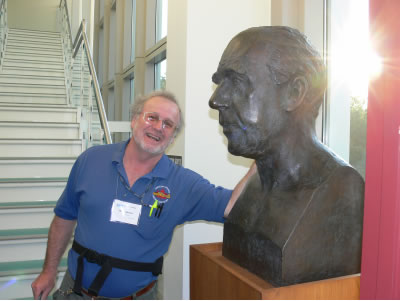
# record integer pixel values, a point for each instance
(343, 185)
(345, 174)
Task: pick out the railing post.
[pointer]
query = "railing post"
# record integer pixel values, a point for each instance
(81, 40)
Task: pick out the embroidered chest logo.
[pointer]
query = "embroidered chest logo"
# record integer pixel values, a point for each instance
(161, 194)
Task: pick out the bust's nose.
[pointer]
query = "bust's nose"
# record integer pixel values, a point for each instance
(216, 101)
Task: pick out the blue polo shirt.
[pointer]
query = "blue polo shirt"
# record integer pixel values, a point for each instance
(98, 178)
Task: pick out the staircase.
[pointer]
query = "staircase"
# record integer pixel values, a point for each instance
(40, 137)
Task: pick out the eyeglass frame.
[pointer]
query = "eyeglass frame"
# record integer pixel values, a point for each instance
(173, 128)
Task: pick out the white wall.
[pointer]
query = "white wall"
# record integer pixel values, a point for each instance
(33, 15)
(198, 32)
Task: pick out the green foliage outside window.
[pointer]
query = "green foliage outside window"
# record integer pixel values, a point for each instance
(357, 156)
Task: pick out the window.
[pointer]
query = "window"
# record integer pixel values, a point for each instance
(350, 64)
(161, 19)
(160, 75)
(133, 29)
(132, 90)
(112, 45)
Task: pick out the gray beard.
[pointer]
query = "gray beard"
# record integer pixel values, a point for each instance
(152, 150)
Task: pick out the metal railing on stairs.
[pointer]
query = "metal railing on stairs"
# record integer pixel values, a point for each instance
(83, 86)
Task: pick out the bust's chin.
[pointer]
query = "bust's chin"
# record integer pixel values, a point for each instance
(238, 149)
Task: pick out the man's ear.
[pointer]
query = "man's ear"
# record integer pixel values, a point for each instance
(297, 90)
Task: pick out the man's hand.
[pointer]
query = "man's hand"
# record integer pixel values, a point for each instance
(59, 235)
(43, 285)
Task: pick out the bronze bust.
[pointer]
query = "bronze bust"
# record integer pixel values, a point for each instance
(299, 218)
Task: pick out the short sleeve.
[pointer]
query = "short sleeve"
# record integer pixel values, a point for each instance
(68, 204)
(204, 201)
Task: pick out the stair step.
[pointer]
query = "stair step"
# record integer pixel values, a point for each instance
(29, 32)
(27, 267)
(33, 64)
(23, 218)
(39, 130)
(29, 233)
(27, 51)
(32, 80)
(33, 88)
(33, 113)
(35, 167)
(32, 98)
(30, 192)
(15, 243)
(44, 40)
(39, 106)
(18, 284)
(31, 180)
(33, 45)
(34, 204)
(29, 71)
(57, 58)
(40, 148)
(22, 245)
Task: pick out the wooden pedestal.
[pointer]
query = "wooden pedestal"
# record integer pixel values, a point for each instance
(213, 276)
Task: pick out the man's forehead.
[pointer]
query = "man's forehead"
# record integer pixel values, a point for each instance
(240, 56)
(159, 101)
(161, 105)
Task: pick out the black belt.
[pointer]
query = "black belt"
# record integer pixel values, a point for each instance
(107, 263)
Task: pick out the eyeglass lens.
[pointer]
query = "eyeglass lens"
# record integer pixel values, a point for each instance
(154, 118)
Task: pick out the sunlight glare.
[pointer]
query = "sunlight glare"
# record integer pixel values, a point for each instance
(354, 61)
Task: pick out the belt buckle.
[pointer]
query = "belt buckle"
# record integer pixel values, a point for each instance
(95, 257)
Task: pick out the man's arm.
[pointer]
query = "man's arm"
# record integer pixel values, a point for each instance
(59, 235)
(238, 189)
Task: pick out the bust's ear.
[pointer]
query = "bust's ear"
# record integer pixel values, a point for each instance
(296, 92)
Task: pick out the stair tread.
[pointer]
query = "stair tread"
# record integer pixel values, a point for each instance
(29, 267)
(40, 139)
(33, 180)
(6, 59)
(16, 29)
(36, 158)
(34, 85)
(28, 68)
(14, 233)
(38, 106)
(32, 204)
(31, 76)
(38, 123)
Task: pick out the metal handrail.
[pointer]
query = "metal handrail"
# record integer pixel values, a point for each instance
(80, 38)
(98, 94)
(68, 17)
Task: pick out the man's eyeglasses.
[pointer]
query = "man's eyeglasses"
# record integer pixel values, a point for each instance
(153, 118)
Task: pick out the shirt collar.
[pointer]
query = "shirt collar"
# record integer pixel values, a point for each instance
(159, 171)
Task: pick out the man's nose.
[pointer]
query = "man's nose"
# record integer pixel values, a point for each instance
(158, 125)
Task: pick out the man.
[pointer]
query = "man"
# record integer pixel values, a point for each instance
(300, 217)
(126, 200)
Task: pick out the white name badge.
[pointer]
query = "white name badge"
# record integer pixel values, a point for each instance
(125, 212)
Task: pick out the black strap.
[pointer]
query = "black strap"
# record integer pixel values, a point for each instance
(107, 263)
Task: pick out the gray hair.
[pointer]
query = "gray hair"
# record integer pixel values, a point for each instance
(139, 103)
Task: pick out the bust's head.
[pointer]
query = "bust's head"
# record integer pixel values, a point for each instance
(267, 78)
